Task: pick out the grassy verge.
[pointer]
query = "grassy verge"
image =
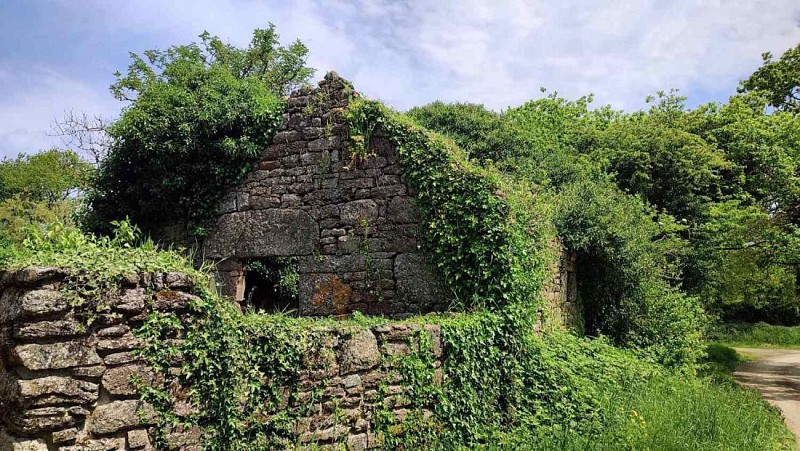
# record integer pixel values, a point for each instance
(721, 361)
(672, 413)
(758, 335)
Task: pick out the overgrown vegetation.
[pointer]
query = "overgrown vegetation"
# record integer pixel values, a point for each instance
(758, 335)
(708, 196)
(503, 384)
(491, 230)
(199, 116)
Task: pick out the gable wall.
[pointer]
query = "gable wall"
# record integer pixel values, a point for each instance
(353, 225)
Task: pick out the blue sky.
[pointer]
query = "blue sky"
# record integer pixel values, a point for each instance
(58, 55)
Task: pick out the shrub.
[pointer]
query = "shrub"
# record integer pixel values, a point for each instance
(198, 119)
(485, 232)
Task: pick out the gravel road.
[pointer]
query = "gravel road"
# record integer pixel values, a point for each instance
(776, 374)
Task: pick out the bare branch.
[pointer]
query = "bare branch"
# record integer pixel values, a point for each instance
(84, 134)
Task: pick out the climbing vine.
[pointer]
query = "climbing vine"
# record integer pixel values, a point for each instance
(486, 234)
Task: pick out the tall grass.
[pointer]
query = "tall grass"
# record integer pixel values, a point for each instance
(761, 335)
(671, 413)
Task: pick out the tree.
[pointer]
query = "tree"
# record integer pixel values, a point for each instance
(778, 80)
(199, 116)
(764, 147)
(49, 176)
(671, 169)
(39, 189)
(749, 260)
(482, 133)
(83, 133)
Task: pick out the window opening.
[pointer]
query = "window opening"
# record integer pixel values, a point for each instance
(271, 285)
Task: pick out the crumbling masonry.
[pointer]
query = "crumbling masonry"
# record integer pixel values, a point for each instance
(352, 224)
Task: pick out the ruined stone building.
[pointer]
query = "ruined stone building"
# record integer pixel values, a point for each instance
(348, 228)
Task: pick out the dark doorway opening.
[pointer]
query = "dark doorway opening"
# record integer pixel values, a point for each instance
(271, 285)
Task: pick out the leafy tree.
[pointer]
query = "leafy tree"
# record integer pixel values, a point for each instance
(750, 260)
(49, 176)
(744, 260)
(778, 80)
(554, 123)
(18, 213)
(651, 156)
(198, 118)
(39, 189)
(484, 134)
(765, 148)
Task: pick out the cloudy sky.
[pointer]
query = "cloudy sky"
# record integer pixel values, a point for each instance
(58, 55)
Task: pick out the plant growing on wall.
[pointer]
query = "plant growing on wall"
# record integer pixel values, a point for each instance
(485, 232)
(197, 118)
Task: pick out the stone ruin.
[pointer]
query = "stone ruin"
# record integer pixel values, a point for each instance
(349, 230)
(68, 386)
(350, 227)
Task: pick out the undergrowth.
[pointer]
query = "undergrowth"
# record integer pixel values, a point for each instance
(669, 413)
(255, 378)
(759, 335)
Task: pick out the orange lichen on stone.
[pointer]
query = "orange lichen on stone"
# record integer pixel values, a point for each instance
(334, 292)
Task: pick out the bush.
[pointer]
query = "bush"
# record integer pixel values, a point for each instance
(623, 265)
(198, 119)
(761, 335)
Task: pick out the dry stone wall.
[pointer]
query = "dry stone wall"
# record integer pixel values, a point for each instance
(352, 223)
(561, 293)
(68, 386)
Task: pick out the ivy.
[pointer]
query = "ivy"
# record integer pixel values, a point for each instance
(198, 118)
(484, 231)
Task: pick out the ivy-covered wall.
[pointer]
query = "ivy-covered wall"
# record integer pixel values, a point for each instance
(350, 216)
(70, 383)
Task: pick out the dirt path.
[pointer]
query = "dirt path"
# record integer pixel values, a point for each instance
(776, 374)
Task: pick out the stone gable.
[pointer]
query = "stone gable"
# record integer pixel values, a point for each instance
(352, 225)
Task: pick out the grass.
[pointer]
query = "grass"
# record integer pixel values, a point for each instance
(758, 335)
(721, 361)
(672, 413)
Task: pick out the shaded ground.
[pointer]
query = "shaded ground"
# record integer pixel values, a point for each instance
(776, 374)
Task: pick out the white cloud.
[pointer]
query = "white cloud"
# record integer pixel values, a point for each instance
(496, 52)
(31, 98)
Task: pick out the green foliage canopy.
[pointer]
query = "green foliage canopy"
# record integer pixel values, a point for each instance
(39, 189)
(778, 80)
(199, 116)
(49, 176)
